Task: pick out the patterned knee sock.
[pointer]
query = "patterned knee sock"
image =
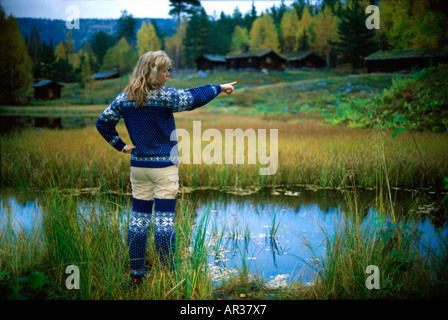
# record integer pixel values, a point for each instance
(139, 224)
(165, 236)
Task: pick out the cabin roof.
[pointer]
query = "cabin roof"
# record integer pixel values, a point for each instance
(103, 74)
(215, 58)
(408, 53)
(299, 55)
(44, 83)
(254, 53)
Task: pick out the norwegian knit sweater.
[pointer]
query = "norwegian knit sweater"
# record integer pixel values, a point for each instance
(152, 127)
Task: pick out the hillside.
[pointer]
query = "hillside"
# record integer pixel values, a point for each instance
(56, 29)
(418, 103)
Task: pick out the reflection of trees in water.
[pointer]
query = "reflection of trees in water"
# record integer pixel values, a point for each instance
(416, 206)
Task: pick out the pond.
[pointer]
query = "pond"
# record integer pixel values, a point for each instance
(278, 234)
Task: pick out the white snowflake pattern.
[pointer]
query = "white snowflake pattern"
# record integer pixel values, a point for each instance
(165, 221)
(183, 99)
(140, 222)
(165, 95)
(110, 113)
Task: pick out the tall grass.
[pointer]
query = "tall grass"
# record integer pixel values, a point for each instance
(93, 238)
(407, 269)
(308, 154)
(69, 162)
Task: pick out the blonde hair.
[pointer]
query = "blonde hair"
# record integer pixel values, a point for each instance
(144, 77)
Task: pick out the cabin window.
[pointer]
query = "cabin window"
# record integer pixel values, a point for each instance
(268, 60)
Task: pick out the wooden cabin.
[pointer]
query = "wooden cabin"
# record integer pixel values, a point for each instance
(260, 59)
(47, 89)
(405, 59)
(210, 62)
(304, 59)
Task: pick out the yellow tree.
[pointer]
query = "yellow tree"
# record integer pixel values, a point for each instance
(240, 38)
(289, 25)
(66, 50)
(121, 55)
(263, 34)
(325, 26)
(147, 39)
(303, 33)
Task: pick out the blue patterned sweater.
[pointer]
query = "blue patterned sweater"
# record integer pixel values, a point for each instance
(152, 127)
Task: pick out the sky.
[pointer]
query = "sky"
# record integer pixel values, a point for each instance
(66, 9)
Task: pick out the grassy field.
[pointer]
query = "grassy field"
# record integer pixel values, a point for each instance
(316, 92)
(322, 143)
(309, 153)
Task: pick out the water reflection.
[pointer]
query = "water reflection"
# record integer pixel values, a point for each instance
(20, 212)
(281, 234)
(278, 234)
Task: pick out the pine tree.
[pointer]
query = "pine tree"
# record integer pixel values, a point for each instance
(47, 61)
(197, 38)
(250, 17)
(170, 43)
(126, 28)
(355, 40)
(100, 42)
(222, 28)
(35, 50)
(15, 63)
(177, 8)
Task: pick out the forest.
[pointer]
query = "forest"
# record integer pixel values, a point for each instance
(333, 29)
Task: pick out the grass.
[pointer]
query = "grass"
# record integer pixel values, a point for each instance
(33, 262)
(103, 92)
(309, 153)
(319, 92)
(94, 240)
(68, 163)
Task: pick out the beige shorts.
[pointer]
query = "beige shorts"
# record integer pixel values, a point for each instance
(150, 183)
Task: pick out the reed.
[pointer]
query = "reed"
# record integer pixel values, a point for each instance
(407, 270)
(93, 237)
(308, 154)
(67, 163)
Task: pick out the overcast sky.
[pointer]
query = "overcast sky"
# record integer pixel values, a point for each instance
(61, 9)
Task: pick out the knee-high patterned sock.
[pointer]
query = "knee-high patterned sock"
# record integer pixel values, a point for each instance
(139, 224)
(165, 236)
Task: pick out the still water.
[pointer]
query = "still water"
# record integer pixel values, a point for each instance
(278, 234)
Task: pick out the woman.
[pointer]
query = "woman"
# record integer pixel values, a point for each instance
(147, 107)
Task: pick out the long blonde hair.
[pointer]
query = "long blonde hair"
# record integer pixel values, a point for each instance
(144, 77)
